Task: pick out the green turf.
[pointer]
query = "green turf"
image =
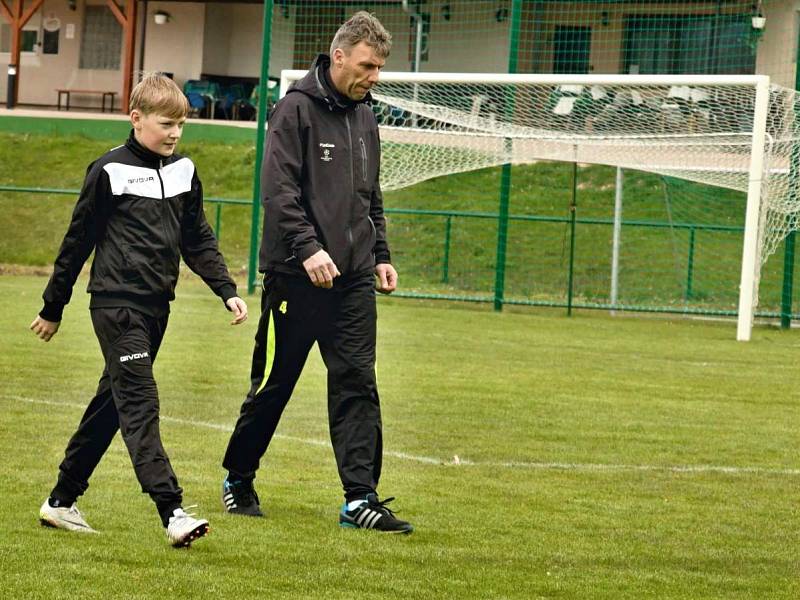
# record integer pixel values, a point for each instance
(600, 458)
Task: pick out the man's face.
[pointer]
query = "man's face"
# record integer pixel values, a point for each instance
(156, 132)
(355, 73)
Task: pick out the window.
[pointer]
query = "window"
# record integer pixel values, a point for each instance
(101, 42)
(689, 44)
(28, 38)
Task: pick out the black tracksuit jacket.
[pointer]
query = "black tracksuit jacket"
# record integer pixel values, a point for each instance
(140, 212)
(319, 180)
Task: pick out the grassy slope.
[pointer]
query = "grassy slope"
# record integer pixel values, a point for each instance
(612, 403)
(654, 262)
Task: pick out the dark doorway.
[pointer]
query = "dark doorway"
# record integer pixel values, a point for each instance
(571, 49)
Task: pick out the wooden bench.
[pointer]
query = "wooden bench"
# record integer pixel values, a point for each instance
(105, 95)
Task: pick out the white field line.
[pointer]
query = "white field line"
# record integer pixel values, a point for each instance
(460, 462)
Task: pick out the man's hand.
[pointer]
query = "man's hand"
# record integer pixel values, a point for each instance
(44, 329)
(387, 278)
(320, 269)
(238, 308)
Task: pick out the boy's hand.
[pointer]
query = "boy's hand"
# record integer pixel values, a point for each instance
(45, 329)
(239, 310)
(387, 278)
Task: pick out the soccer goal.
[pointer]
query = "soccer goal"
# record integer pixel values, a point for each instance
(736, 132)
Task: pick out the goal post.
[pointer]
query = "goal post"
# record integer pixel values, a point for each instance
(730, 131)
(751, 259)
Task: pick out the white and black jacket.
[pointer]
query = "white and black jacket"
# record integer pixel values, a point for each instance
(140, 212)
(320, 180)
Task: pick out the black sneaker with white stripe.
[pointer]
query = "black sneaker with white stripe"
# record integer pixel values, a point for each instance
(239, 498)
(373, 514)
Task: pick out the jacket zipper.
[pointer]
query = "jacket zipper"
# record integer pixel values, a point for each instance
(163, 209)
(363, 159)
(161, 181)
(349, 230)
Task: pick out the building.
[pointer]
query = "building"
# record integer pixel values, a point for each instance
(81, 45)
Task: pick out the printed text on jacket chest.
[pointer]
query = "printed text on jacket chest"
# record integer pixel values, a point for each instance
(326, 151)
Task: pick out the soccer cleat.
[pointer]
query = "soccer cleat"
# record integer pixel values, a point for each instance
(373, 514)
(62, 517)
(183, 528)
(239, 498)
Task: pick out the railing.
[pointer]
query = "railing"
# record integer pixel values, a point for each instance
(218, 202)
(449, 216)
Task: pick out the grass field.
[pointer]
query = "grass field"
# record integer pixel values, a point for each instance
(599, 458)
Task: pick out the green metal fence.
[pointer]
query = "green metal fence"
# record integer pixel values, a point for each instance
(580, 277)
(217, 202)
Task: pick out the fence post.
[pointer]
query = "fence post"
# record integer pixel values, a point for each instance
(788, 281)
(788, 249)
(616, 238)
(502, 237)
(690, 266)
(218, 221)
(573, 209)
(255, 221)
(446, 261)
(505, 178)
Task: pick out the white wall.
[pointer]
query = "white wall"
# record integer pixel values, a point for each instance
(777, 50)
(215, 42)
(281, 47)
(232, 43)
(40, 74)
(471, 41)
(177, 46)
(225, 39)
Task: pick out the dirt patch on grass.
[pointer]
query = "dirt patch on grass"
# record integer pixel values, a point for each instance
(240, 275)
(7, 269)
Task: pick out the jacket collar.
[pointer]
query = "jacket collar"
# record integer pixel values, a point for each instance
(147, 156)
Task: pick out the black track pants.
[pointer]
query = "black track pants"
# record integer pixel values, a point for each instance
(342, 320)
(126, 400)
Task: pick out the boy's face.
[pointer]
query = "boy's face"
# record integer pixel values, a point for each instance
(156, 132)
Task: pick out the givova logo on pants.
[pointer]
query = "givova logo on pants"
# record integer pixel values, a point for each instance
(134, 356)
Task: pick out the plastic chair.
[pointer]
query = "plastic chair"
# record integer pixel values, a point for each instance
(197, 103)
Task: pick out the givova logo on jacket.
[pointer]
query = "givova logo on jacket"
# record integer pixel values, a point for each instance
(134, 356)
(326, 151)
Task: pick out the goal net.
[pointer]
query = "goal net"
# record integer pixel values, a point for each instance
(736, 132)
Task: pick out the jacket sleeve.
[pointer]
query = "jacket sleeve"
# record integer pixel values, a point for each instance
(381, 249)
(88, 222)
(281, 174)
(199, 247)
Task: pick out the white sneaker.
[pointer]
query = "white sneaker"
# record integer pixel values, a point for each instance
(62, 517)
(183, 528)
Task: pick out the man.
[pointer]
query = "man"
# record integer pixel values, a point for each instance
(324, 244)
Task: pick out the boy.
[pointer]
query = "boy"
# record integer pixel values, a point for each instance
(140, 210)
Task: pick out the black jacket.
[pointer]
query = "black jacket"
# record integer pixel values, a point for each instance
(319, 182)
(140, 212)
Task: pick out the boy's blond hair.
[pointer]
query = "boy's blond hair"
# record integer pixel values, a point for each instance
(158, 94)
(363, 27)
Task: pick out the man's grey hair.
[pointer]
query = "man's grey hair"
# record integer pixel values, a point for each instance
(363, 27)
